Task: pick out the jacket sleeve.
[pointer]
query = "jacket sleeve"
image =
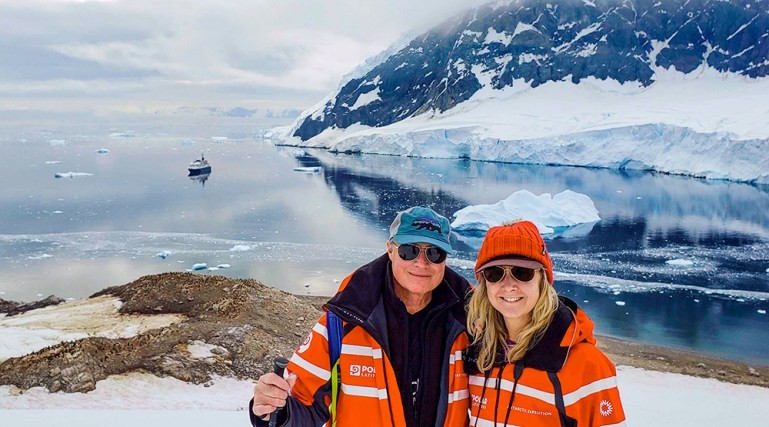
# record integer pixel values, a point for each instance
(311, 394)
(597, 401)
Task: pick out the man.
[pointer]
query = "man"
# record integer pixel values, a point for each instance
(401, 358)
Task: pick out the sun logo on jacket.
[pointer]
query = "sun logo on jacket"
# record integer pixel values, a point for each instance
(606, 408)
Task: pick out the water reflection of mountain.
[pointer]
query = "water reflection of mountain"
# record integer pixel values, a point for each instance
(380, 198)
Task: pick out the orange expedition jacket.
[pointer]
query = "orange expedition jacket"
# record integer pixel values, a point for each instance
(369, 393)
(564, 380)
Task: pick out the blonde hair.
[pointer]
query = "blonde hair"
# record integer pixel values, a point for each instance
(487, 325)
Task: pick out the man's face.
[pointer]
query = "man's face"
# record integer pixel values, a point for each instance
(418, 276)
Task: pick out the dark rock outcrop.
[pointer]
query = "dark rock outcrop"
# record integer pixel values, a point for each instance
(12, 308)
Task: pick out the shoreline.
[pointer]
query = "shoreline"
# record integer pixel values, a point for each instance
(667, 359)
(659, 358)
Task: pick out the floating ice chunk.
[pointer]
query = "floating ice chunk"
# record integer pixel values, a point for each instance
(565, 209)
(52, 162)
(57, 142)
(71, 174)
(223, 266)
(164, 254)
(679, 262)
(41, 256)
(240, 248)
(57, 212)
(219, 138)
(759, 311)
(620, 303)
(199, 266)
(213, 268)
(308, 169)
(102, 151)
(300, 153)
(767, 270)
(125, 134)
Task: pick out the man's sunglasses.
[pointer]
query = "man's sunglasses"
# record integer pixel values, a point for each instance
(409, 252)
(496, 273)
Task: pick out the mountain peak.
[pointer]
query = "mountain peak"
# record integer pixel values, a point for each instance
(527, 43)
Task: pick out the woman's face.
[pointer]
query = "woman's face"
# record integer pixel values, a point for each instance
(514, 299)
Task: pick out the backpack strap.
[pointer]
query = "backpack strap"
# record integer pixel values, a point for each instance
(335, 332)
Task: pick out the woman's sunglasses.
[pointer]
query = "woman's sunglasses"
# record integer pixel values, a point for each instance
(409, 252)
(496, 273)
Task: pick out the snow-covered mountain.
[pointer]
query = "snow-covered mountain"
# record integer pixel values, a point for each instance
(679, 87)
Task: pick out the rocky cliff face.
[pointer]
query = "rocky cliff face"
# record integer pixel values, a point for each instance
(531, 42)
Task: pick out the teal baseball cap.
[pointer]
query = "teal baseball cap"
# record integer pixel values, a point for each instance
(421, 224)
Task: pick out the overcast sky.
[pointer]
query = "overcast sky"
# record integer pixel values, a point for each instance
(141, 55)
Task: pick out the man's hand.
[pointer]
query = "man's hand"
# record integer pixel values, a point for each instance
(270, 393)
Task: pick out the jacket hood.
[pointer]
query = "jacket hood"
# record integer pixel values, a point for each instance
(570, 326)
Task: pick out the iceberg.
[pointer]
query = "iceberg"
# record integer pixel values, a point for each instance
(551, 214)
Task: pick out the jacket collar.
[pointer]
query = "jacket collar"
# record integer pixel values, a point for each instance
(361, 294)
(570, 325)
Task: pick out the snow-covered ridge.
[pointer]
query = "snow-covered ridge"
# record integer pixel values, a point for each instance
(600, 84)
(709, 125)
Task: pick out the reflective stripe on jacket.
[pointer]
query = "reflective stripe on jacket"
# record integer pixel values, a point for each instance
(564, 370)
(369, 393)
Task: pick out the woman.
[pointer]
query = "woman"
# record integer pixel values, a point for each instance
(533, 360)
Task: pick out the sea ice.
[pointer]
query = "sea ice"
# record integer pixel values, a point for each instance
(679, 262)
(620, 303)
(240, 248)
(102, 151)
(164, 254)
(199, 266)
(759, 311)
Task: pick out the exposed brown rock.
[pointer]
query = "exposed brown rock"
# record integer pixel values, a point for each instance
(248, 323)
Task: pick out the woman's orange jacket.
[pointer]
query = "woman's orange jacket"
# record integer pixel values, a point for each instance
(564, 380)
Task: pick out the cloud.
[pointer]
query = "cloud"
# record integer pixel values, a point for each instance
(217, 49)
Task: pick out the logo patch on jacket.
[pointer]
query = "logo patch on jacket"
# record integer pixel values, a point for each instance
(362, 371)
(305, 344)
(606, 408)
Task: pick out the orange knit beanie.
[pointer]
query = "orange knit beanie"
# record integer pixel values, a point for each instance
(520, 239)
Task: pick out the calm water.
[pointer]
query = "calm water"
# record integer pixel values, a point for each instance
(257, 217)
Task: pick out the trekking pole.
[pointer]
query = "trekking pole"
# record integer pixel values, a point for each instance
(280, 364)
